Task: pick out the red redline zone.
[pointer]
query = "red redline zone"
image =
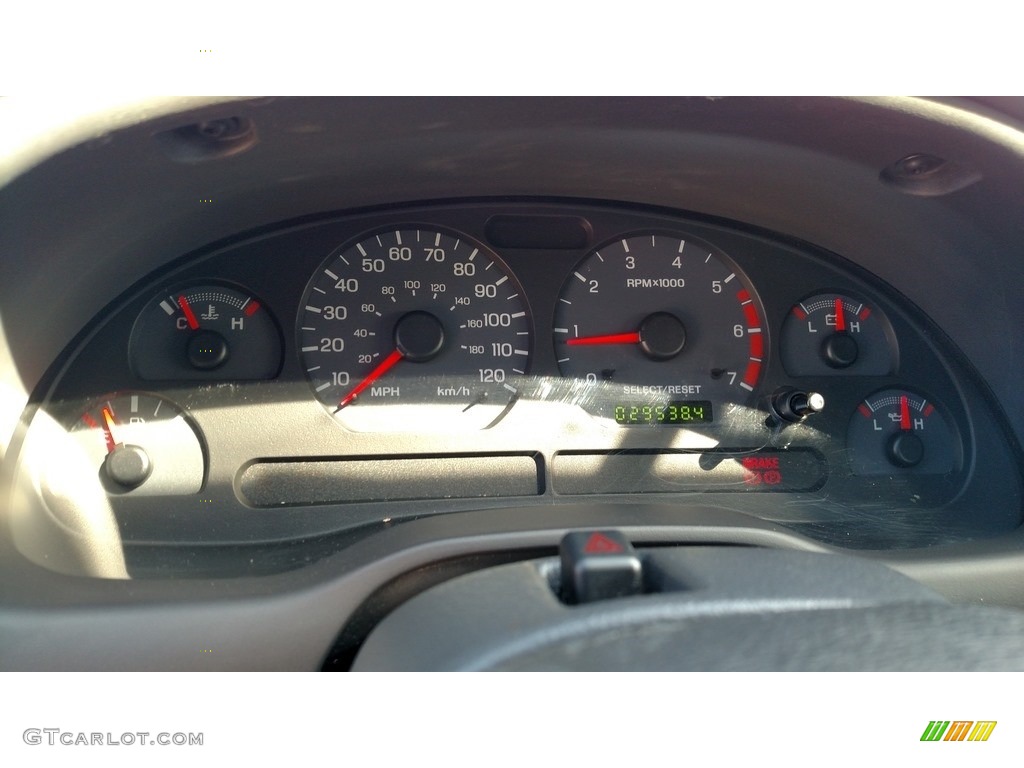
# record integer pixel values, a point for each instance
(756, 341)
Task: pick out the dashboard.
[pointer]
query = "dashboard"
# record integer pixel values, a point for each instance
(294, 351)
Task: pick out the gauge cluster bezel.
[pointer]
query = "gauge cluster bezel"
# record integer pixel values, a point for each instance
(278, 420)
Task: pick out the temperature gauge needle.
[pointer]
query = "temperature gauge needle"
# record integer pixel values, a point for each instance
(614, 338)
(193, 323)
(108, 428)
(904, 413)
(386, 365)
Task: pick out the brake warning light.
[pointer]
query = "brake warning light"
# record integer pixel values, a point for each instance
(761, 470)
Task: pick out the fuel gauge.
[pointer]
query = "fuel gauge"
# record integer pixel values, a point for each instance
(897, 431)
(205, 332)
(835, 335)
(142, 444)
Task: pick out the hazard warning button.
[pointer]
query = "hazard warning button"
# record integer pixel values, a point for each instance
(597, 565)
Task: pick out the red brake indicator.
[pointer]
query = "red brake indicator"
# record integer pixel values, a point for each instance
(614, 338)
(904, 413)
(840, 316)
(189, 314)
(386, 365)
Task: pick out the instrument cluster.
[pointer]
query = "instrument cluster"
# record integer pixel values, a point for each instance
(474, 354)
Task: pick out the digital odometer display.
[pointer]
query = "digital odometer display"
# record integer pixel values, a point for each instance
(679, 412)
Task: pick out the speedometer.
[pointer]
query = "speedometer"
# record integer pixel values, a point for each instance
(415, 329)
(666, 331)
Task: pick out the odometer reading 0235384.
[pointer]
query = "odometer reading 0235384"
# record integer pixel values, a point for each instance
(667, 330)
(414, 329)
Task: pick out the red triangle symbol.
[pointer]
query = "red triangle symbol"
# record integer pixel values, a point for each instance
(599, 544)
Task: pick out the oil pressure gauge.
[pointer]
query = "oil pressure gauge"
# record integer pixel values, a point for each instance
(897, 431)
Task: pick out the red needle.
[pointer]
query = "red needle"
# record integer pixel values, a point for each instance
(840, 317)
(108, 428)
(386, 364)
(614, 338)
(904, 413)
(189, 314)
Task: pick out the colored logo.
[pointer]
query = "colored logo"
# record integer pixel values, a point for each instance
(958, 730)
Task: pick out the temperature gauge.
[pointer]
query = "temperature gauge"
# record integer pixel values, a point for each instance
(205, 332)
(897, 431)
(834, 335)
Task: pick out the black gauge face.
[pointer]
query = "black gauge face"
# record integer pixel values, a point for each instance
(415, 329)
(834, 335)
(667, 331)
(897, 431)
(206, 332)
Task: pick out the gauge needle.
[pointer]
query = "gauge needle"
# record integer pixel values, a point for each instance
(614, 338)
(904, 413)
(386, 365)
(108, 428)
(189, 314)
(840, 317)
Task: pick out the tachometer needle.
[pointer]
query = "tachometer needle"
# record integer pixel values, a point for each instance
(108, 429)
(614, 338)
(189, 314)
(840, 317)
(904, 413)
(386, 365)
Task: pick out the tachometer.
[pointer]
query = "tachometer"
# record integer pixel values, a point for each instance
(667, 331)
(413, 329)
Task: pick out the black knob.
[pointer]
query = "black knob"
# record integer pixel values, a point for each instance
(207, 350)
(905, 449)
(419, 336)
(662, 336)
(795, 405)
(128, 465)
(840, 350)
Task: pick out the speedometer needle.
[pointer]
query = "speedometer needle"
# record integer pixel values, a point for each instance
(614, 338)
(386, 365)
